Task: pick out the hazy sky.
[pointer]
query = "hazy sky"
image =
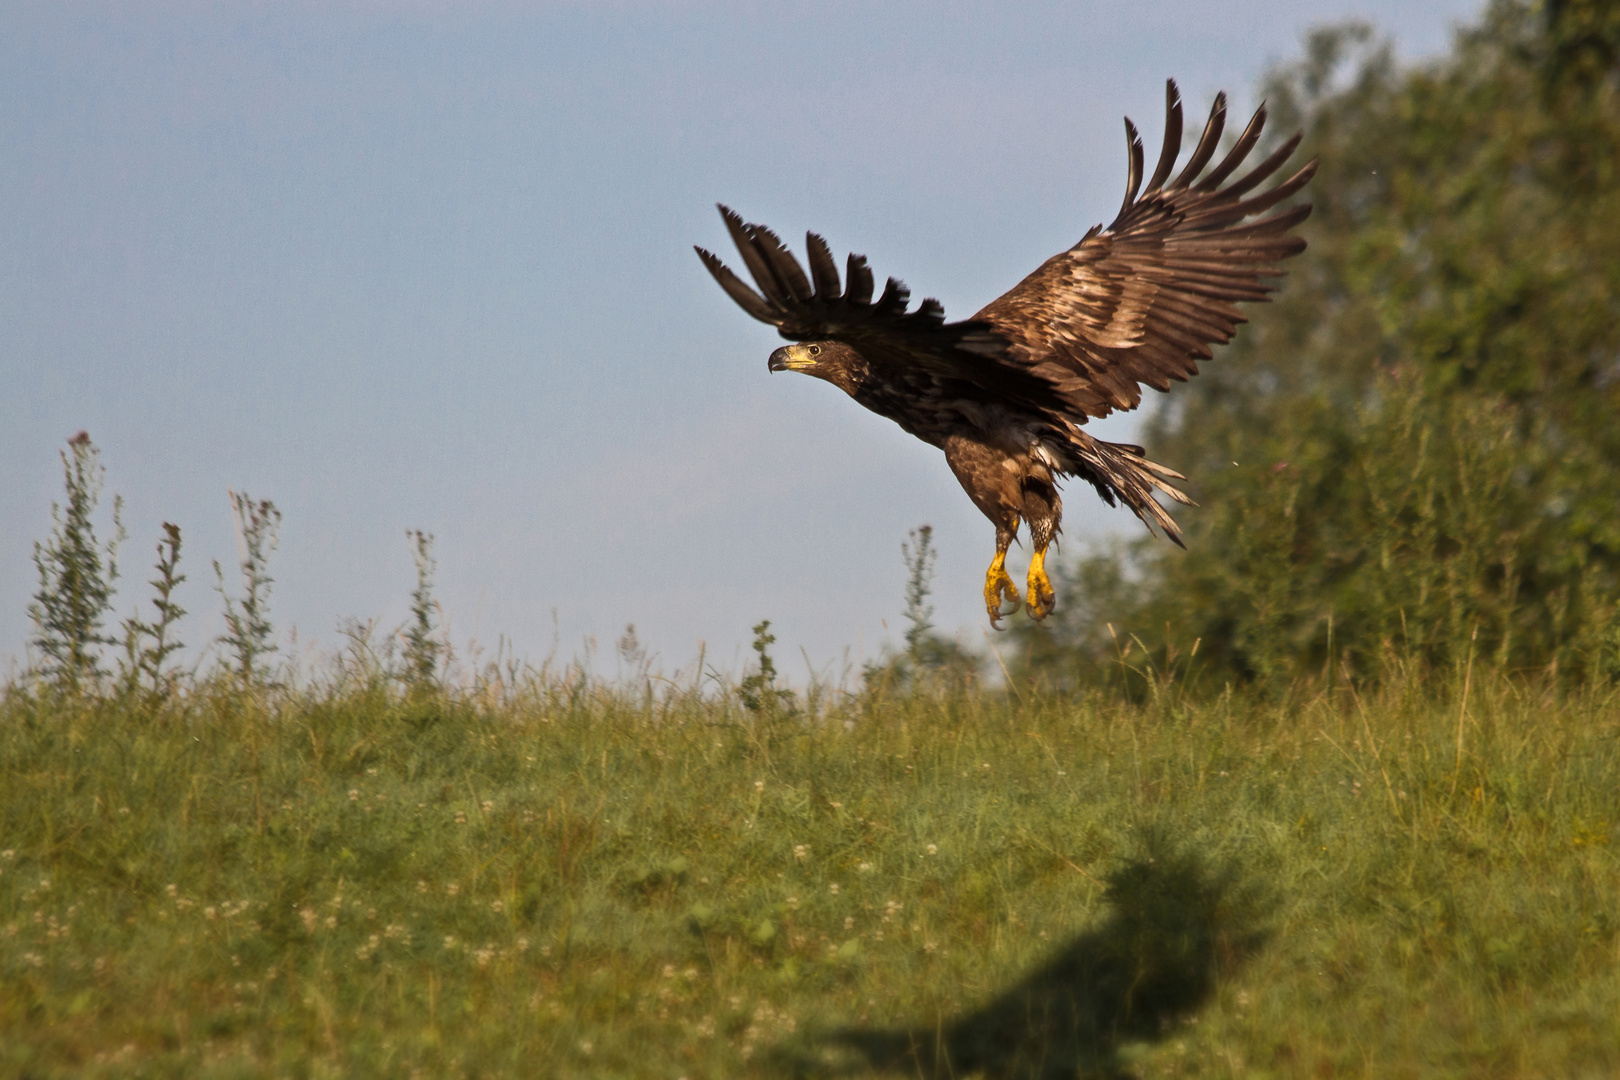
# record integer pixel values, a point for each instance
(429, 266)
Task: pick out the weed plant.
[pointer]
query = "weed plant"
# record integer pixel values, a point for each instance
(543, 874)
(422, 649)
(759, 692)
(76, 574)
(149, 647)
(249, 634)
(931, 662)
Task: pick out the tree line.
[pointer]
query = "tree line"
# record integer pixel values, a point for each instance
(1411, 456)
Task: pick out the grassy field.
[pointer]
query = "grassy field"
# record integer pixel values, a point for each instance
(555, 877)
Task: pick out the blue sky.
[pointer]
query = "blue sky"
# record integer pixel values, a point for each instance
(429, 266)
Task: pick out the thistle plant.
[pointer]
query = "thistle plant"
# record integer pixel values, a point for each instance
(76, 574)
(759, 691)
(927, 655)
(422, 652)
(249, 633)
(148, 646)
(919, 556)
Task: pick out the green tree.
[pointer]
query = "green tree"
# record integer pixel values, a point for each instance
(1411, 451)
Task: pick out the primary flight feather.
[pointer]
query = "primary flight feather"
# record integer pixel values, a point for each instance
(1006, 393)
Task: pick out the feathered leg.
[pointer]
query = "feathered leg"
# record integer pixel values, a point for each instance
(997, 585)
(984, 474)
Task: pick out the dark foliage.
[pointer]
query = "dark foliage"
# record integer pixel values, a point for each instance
(1412, 454)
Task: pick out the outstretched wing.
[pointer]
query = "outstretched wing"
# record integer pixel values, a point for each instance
(804, 310)
(818, 307)
(1143, 300)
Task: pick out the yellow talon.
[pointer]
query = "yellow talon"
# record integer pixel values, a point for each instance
(998, 586)
(1042, 597)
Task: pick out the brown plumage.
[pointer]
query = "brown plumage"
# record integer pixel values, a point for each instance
(1005, 394)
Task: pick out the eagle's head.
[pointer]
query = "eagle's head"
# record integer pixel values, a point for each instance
(830, 360)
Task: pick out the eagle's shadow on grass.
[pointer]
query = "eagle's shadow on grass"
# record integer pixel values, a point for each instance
(1175, 926)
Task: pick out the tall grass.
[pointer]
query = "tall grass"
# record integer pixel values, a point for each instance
(543, 874)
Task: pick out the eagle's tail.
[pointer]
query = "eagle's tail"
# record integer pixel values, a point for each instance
(1119, 470)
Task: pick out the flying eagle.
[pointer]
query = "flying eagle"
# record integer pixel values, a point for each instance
(1006, 393)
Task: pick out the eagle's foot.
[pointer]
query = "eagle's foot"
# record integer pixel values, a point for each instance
(998, 587)
(1042, 597)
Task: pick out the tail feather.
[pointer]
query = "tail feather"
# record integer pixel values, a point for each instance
(1119, 470)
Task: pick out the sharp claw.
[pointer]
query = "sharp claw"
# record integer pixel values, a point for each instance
(1008, 594)
(1042, 601)
(999, 589)
(1042, 597)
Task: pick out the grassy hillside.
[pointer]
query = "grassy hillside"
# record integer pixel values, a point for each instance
(552, 877)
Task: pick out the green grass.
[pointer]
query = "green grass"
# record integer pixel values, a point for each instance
(564, 879)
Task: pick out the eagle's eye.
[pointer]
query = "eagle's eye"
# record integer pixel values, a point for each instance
(815, 350)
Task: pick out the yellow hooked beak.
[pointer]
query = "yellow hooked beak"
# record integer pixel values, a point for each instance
(792, 358)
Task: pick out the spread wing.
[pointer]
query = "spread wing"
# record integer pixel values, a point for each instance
(905, 344)
(1143, 300)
